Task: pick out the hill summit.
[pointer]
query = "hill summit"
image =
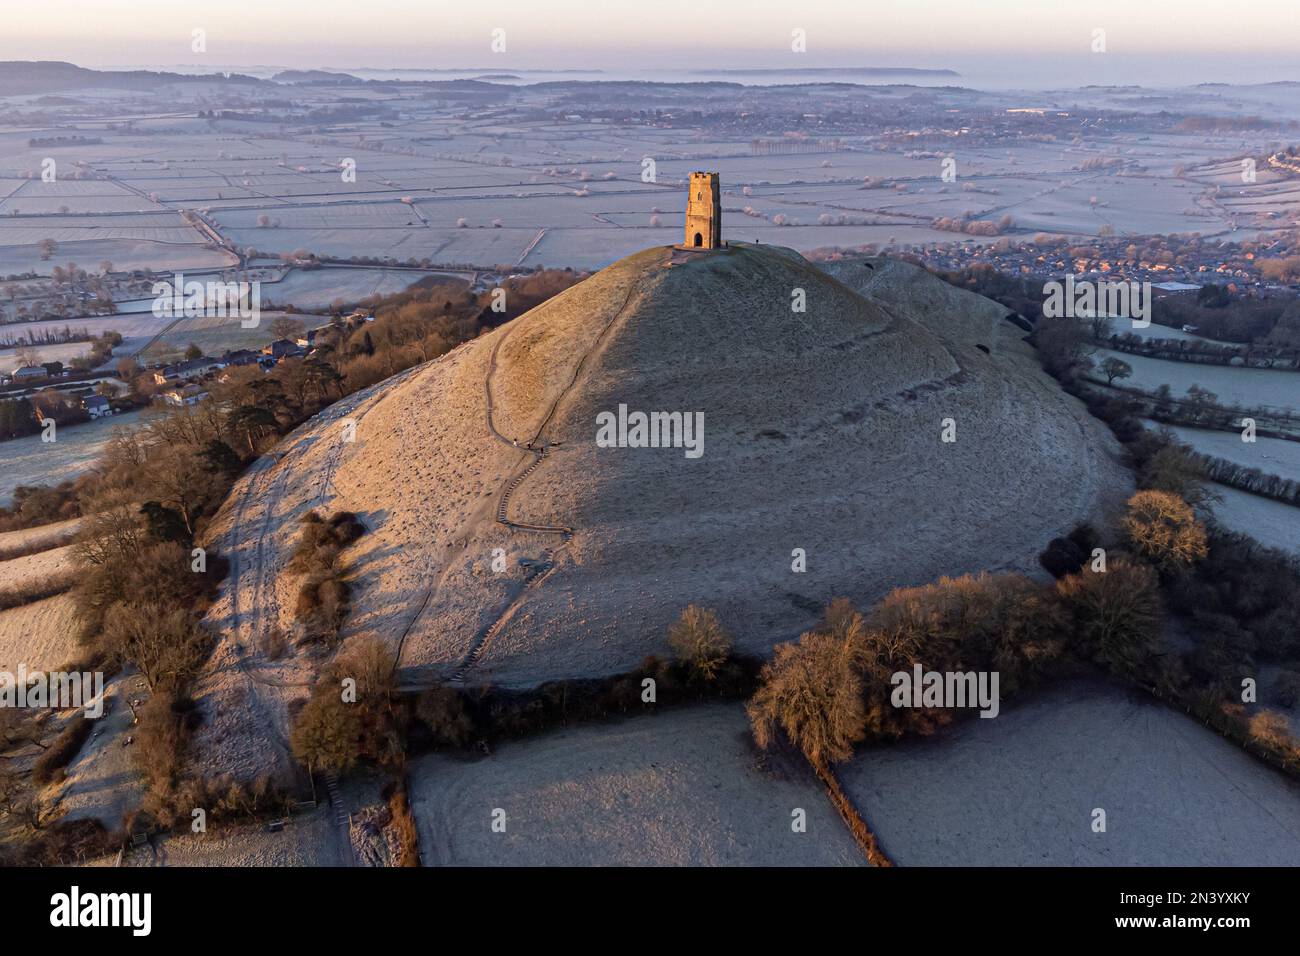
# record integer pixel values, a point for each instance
(512, 541)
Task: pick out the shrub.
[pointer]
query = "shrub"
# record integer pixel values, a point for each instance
(324, 597)
(325, 734)
(274, 644)
(34, 505)
(443, 711)
(1257, 587)
(322, 540)
(166, 724)
(1061, 557)
(1116, 615)
(63, 843)
(332, 733)
(1172, 469)
(65, 748)
(371, 663)
(1270, 729)
(402, 824)
(1164, 528)
(1005, 623)
(698, 640)
(1286, 688)
(322, 605)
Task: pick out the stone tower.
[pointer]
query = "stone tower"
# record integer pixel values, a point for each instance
(704, 212)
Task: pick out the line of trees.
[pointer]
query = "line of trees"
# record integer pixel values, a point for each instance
(1285, 358)
(144, 584)
(1253, 480)
(830, 691)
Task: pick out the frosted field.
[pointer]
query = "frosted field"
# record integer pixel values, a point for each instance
(1154, 331)
(1233, 385)
(461, 171)
(41, 635)
(47, 536)
(125, 254)
(320, 288)
(218, 334)
(1267, 521)
(136, 329)
(33, 569)
(29, 461)
(681, 788)
(1019, 790)
(71, 231)
(598, 247)
(1274, 456)
(309, 839)
(1068, 210)
(854, 166)
(483, 246)
(64, 353)
(44, 222)
(29, 203)
(377, 215)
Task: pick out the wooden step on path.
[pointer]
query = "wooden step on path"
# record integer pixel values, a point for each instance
(475, 652)
(503, 506)
(341, 818)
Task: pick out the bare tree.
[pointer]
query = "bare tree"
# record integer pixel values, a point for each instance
(812, 691)
(165, 643)
(698, 640)
(1163, 527)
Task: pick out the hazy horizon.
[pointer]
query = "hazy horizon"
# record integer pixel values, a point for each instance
(1021, 43)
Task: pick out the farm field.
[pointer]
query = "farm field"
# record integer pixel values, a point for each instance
(684, 787)
(43, 536)
(1274, 456)
(136, 328)
(29, 461)
(1154, 331)
(1267, 521)
(1233, 385)
(31, 570)
(216, 335)
(1019, 790)
(125, 254)
(41, 635)
(309, 839)
(64, 353)
(320, 288)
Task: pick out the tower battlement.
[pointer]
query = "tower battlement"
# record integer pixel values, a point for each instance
(704, 212)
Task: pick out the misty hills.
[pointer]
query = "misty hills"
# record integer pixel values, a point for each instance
(19, 77)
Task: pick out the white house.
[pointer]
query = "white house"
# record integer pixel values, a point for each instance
(189, 395)
(97, 405)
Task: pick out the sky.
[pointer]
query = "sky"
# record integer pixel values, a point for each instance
(1179, 41)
